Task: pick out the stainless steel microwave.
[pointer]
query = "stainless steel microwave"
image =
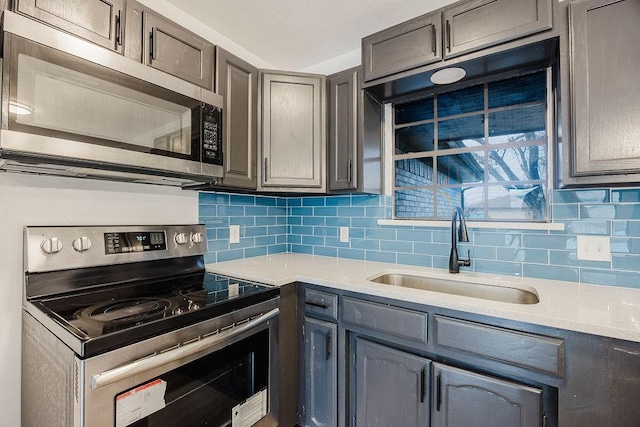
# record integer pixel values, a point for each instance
(73, 108)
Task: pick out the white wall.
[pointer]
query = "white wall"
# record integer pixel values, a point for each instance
(38, 200)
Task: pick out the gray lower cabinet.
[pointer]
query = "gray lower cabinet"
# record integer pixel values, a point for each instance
(462, 398)
(320, 407)
(293, 145)
(99, 21)
(355, 135)
(237, 83)
(402, 47)
(605, 98)
(476, 24)
(392, 386)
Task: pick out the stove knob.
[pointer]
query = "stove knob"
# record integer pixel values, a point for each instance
(81, 244)
(51, 246)
(181, 238)
(196, 237)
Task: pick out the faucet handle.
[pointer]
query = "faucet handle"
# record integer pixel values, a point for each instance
(466, 262)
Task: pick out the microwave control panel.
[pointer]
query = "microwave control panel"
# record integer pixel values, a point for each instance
(211, 134)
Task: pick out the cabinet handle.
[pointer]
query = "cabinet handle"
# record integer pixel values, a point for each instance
(265, 169)
(350, 176)
(119, 28)
(154, 43)
(423, 380)
(317, 304)
(448, 36)
(438, 392)
(328, 345)
(433, 46)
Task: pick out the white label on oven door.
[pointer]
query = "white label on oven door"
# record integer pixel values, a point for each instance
(140, 402)
(250, 411)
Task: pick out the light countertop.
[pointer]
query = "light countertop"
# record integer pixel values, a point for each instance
(600, 310)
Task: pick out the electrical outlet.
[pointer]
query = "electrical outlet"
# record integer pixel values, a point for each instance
(234, 234)
(594, 248)
(344, 234)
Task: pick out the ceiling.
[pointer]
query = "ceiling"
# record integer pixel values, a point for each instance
(297, 34)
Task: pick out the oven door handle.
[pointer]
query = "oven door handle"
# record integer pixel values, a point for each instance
(142, 365)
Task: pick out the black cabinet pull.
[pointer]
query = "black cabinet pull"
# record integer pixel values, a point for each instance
(423, 381)
(266, 173)
(328, 345)
(154, 43)
(438, 392)
(448, 36)
(317, 304)
(350, 175)
(433, 46)
(119, 28)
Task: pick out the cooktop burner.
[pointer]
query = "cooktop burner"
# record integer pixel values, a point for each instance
(133, 311)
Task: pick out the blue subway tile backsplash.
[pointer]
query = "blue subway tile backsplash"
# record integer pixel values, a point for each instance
(311, 225)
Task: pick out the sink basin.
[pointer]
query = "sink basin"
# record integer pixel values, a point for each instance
(454, 287)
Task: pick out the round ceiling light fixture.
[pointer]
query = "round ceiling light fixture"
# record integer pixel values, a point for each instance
(448, 75)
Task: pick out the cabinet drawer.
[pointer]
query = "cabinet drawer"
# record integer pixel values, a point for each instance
(322, 304)
(529, 351)
(398, 322)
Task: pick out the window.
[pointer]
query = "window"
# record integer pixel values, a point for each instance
(483, 148)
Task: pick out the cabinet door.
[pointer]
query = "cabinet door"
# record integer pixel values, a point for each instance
(343, 130)
(320, 373)
(605, 96)
(476, 24)
(462, 398)
(237, 82)
(174, 50)
(99, 21)
(293, 135)
(391, 387)
(402, 47)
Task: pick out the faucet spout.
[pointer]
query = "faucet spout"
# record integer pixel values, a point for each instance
(458, 235)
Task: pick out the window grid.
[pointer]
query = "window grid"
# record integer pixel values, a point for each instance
(485, 148)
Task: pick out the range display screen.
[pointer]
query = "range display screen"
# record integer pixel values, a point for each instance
(119, 243)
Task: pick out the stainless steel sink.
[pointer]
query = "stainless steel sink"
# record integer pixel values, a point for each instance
(474, 290)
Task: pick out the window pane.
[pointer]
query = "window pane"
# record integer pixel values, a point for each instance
(518, 90)
(414, 139)
(461, 168)
(462, 132)
(511, 202)
(414, 172)
(518, 124)
(518, 164)
(461, 101)
(414, 111)
(472, 201)
(414, 203)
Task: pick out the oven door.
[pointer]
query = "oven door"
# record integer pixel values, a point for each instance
(216, 380)
(87, 113)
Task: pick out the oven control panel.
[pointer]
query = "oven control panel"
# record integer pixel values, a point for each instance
(62, 248)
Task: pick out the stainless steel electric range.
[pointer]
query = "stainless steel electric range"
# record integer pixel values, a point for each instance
(123, 326)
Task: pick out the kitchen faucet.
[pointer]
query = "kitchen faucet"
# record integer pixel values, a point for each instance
(461, 236)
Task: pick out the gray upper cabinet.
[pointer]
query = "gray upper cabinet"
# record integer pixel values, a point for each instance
(605, 96)
(392, 387)
(342, 95)
(320, 373)
(292, 132)
(462, 398)
(237, 82)
(402, 47)
(99, 21)
(355, 135)
(170, 48)
(477, 24)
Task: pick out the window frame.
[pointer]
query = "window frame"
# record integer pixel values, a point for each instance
(547, 182)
